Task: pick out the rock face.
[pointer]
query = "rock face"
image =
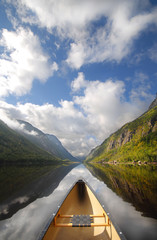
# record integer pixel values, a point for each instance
(136, 140)
(124, 138)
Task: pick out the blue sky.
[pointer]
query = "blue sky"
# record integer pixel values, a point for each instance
(77, 69)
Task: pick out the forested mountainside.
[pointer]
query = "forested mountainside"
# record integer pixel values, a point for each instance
(47, 142)
(135, 141)
(16, 149)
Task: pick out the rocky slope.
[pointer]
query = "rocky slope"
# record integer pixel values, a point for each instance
(135, 141)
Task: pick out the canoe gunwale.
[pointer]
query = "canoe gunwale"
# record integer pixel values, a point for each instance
(121, 235)
(52, 217)
(43, 232)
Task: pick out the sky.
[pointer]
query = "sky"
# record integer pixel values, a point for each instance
(77, 69)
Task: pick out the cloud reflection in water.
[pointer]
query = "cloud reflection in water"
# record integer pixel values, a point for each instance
(29, 222)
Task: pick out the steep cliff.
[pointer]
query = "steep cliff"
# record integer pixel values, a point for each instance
(135, 141)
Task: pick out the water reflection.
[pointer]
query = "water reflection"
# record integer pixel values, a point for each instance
(39, 188)
(29, 222)
(135, 184)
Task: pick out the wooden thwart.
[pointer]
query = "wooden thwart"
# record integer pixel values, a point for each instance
(81, 221)
(92, 225)
(70, 216)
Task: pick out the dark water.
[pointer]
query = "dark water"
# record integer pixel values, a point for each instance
(39, 188)
(136, 184)
(29, 222)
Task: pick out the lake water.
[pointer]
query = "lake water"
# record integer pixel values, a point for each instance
(28, 223)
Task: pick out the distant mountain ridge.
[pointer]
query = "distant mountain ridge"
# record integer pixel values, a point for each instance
(47, 142)
(16, 149)
(135, 141)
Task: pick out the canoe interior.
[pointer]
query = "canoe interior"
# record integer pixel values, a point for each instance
(81, 201)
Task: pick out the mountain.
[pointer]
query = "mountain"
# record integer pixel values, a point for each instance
(135, 141)
(16, 149)
(154, 103)
(47, 142)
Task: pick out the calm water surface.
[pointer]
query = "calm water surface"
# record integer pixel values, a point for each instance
(29, 222)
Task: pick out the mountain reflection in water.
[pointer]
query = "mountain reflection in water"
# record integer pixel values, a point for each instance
(41, 187)
(28, 222)
(135, 184)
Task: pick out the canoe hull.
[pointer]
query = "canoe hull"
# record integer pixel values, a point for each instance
(81, 217)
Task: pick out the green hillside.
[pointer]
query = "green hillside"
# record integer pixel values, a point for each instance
(47, 142)
(135, 141)
(16, 149)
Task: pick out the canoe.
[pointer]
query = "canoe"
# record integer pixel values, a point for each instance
(82, 217)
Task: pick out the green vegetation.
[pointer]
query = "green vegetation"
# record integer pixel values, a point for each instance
(22, 162)
(135, 141)
(17, 150)
(135, 184)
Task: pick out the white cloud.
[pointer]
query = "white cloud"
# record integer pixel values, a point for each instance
(122, 22)
(105, 107)
(22, 61)
(152, 52)
(77, 55)
(113, 41)
(21, 127)
(93, 115)
(97, 108)
(78, 82)
(140, 87)
(69, 17)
